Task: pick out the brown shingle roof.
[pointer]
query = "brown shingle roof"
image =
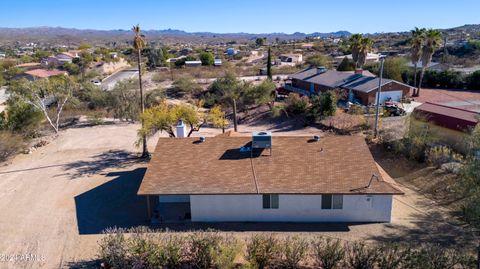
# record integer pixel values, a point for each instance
(338, 164)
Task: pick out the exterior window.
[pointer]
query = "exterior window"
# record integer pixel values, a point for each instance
(270, 201)
(332, 201)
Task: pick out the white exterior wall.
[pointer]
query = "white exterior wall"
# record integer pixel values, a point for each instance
(292, 208)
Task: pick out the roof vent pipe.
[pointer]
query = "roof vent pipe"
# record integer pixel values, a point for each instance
(316, 138)
(202, 139)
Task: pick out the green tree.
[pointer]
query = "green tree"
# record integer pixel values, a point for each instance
(269, 64)
(84, 46)
(138, 45)
(164, 118)
(432, 41)
(228, 90)
(260, 41)
(364, 47)
(318, 60)
(261, 94)
(217, 118)
(186, 85)
(323, 105)
(47, 95)
(207, 58)
(123, 100)
(346, 65)
(20, 117)
(355, 41)
(416, 44)
(155, 57)
(472, 81)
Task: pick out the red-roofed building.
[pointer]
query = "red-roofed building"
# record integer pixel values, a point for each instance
(43, 73)
(450, 124)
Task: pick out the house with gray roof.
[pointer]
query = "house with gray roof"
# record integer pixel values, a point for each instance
(360, 85)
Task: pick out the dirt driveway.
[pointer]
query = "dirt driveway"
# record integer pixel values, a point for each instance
(56, 201)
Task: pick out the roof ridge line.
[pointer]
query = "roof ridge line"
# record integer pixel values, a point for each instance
(253, 170)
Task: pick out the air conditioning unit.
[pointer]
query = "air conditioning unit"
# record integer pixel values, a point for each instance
(262, 140)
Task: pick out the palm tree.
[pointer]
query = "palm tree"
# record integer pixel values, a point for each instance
(365, 45)
(416, 51)
(433, 39)
(355, 47)
(138, 45)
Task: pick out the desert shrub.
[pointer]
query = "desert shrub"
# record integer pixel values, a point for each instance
(10, 144)
(416, 141)
(226, 252)
(262, 250)
(391, 256)
(278, 110)
(96, 117)
(173, 250)
(201, 248)
(434, 257)
(186, 85)
(294, 250)
(297, 104)
(361, 256)
(473, 81)
(447, 79)
(154, 97)
(144, 250)
(113, 249)
(438, 155)
(323, 105)
(328, 253)
(356, 110)
(21, 118)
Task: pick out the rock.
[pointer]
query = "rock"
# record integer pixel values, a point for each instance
(452, 167)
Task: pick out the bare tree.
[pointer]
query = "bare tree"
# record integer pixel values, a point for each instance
(47, 95)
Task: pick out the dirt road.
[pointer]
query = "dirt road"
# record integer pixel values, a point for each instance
(56, 201)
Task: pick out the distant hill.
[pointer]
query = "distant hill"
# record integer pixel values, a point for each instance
(72, 35)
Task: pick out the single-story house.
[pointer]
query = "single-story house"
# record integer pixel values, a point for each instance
(266, 179)
(433, 66)
(361, 85)
(290, 59)
(371, 58)
(451, 124)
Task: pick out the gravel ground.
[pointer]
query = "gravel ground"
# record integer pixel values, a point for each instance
(56, 201)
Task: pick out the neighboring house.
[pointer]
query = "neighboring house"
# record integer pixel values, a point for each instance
(451, 124)
(193, 63)
(51, 61)
(186, 51)
(290, 59)
(371, 58)
(360, 85)
(42, 73)
(217, 62)
(433, 66)
(3, 55)
(266, 179)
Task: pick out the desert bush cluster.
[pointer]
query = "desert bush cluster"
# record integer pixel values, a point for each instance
(144, 248)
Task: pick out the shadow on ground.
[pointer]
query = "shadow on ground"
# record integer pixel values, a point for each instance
(256, 227)
(429, 228)
(101, 162)
(112, 204)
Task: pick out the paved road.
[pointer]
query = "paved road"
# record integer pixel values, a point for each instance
(110, 82)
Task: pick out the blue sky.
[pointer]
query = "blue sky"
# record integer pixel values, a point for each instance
(252, 16)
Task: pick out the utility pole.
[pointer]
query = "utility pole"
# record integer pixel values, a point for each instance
(377, 108)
